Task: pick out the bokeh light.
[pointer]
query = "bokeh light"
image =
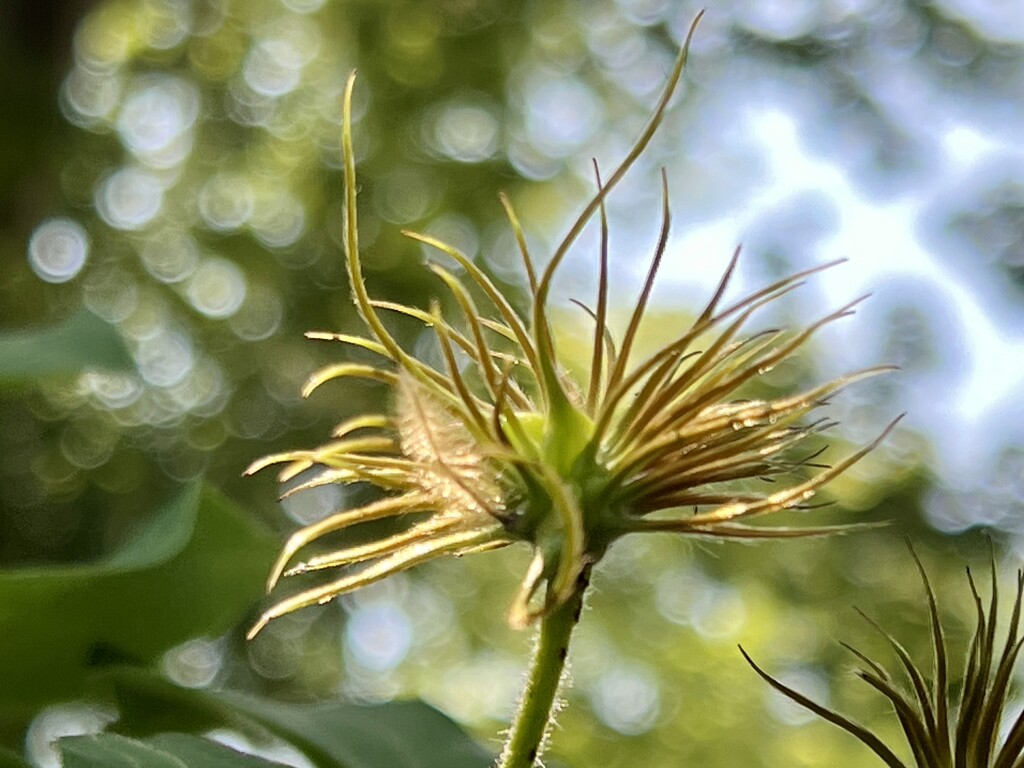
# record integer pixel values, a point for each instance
(130, 198)
(170, 256)
(72, 719)
(58, 249)
(466, 132)
(378, 636)
(195, 663)
(626, 698)
(217, 288)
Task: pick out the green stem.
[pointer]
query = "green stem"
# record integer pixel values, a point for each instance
(526, 735)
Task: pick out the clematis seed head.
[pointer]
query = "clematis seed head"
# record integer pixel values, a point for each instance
(500, 444)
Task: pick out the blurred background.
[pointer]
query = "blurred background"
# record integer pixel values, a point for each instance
(170, 185)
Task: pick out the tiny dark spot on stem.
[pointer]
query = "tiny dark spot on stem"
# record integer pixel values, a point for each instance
(563, 652)
(533, 755)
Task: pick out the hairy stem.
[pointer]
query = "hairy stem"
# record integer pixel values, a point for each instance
(530, 727)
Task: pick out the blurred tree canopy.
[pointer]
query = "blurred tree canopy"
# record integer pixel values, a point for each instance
(170, 171)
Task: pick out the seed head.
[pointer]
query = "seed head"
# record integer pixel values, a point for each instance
(946, 723)
(501, 445)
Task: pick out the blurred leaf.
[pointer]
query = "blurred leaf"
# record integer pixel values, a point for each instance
(192, 569)
(399, 734)
(168, 750)
(149, 703)
(77, 342)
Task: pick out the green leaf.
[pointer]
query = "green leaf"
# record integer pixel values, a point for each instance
(78, 342)
(168, 750)
(192, 569)
(399, 734)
